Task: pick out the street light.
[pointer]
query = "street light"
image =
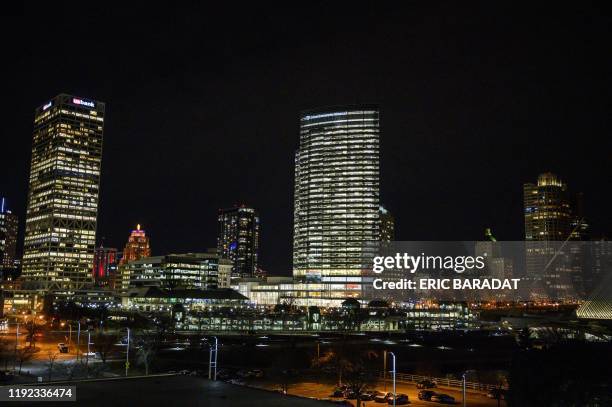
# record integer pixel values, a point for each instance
(16, 344)
(212, 361)
(463, 383)
(79, 340)
(385, 369)
(88, 342)
(393, 372)
(127, 353)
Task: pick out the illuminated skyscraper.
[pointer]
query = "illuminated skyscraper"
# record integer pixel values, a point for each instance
(552, 264)
(336, 209)
(8, 238)
(548, 214)
(238, 239)
(136, 247)
(106, 263)
(387, 226)
(63, 193)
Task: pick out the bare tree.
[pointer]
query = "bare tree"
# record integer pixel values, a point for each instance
(51, 358)
(146, 353)
(5, 351)
(23, 355)
(355, 368)
(104, 343)
(360, 373)
(32, 329)
(71, 369)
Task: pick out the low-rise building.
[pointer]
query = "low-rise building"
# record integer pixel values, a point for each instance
(174, 271)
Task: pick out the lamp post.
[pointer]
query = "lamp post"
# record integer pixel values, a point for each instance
(79, 340)
(88, 341)
(16, 345)
(127, 353)
(463, 385)
(393, 372)
(385, 369)
(212, 360)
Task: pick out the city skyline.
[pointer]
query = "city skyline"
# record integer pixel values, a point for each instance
(451, 133)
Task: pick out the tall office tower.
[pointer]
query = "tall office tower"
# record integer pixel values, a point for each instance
(336, 213)
(8, 239)
(387, 225)
(136, 247)
(238, 239)
(550, 221)
(60, 232)
(548, 214)
(105, 266)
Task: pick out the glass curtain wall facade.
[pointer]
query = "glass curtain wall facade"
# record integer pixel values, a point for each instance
(337, 183)
(64, 186)
(238, 239)
(9, 224)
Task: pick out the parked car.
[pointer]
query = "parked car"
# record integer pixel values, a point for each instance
(426, 384)
(426, 395)
(350, 395)
(338, 392)
(381, 397)
(62, 347)
(367, 396)
(497, 394)
(400, 398)
(442, 399)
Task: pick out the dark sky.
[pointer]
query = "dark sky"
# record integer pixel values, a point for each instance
(203, 105)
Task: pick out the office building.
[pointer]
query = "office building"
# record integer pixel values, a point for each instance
(136, 247)
(553, 266)
(336, 206)
(9, 224)
(105, 267)
(176, 271)
(387, 226)
(60, 231)
(238, 239)
(548, 214)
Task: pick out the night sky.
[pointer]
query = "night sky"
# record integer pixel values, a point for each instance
(202, 108)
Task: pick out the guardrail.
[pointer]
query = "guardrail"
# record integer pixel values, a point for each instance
(441, 381)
